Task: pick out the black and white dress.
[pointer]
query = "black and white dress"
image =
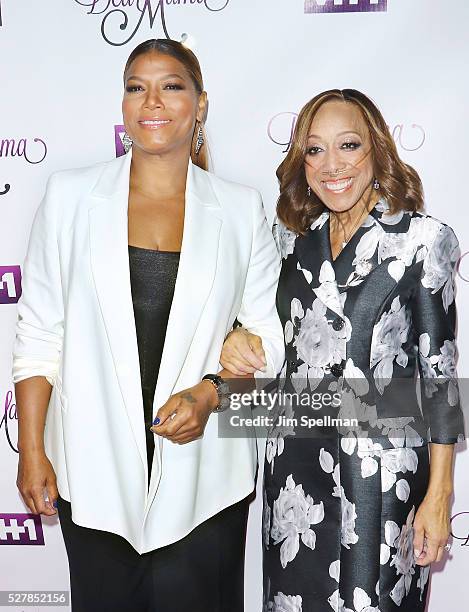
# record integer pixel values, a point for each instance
(339, 500)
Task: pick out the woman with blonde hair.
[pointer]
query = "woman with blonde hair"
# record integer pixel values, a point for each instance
(357, 490)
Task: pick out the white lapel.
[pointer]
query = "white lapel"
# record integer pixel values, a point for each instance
(108, 227)
(196, 273)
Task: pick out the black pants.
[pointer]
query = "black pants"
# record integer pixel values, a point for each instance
(203, 572)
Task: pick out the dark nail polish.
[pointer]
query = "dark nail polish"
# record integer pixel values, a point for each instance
(156, 421)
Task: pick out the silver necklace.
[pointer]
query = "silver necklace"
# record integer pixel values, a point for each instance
(347, 237)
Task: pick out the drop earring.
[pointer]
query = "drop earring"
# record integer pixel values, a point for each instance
(200, 140)
(308, 191)
(126, 142)
(376, 184)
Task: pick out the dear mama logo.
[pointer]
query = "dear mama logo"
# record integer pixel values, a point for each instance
(281, 128)
(345, 6)
(119, 16)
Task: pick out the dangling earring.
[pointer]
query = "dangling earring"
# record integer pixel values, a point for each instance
(308, 191)
(376, 184)
(200, 140)
(126, 142)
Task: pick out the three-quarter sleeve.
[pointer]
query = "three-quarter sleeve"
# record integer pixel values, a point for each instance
(40, 320)
(434, 320)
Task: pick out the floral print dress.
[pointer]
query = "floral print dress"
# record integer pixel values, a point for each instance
(340, 499)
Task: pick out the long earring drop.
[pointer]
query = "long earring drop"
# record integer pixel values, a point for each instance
(126, 142)
(200, 140)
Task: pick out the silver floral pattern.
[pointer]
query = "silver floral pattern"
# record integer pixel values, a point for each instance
(293, 514)
(340, 500)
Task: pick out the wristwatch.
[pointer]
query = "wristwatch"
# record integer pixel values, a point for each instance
(223, 391)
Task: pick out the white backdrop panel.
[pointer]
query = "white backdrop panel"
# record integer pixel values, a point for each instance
(61, 75)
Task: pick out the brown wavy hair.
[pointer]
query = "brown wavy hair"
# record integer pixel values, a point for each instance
(399, 183)
(190, 62)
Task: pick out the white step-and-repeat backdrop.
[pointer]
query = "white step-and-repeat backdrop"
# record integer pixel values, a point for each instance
(60, 94)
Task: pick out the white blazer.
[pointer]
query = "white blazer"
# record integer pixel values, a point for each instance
(76, 326)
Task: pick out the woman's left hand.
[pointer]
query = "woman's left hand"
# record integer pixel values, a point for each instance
(242, 352)
(191, 409)
(431, 529)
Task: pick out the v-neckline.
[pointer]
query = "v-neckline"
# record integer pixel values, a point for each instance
(357, 229)
(329, 242)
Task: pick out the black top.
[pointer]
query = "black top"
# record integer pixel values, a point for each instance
(152, 278)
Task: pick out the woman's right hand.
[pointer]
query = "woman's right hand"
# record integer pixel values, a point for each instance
(242, 352)
(35, 473)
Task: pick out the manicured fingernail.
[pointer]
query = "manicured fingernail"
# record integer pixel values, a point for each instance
(156, 421)
(55, 504)
(417, 553)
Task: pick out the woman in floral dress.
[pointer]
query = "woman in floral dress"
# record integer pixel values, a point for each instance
(355, 511)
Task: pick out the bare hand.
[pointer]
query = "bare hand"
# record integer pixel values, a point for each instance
(191, 409)
(35, 473)
(242, 352)
(431, 529)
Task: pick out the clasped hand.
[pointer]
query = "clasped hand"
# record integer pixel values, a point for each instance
(184, 416)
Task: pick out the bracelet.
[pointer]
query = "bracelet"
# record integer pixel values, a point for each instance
(223, 391)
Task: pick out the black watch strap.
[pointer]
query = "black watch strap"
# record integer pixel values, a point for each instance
(223, 391)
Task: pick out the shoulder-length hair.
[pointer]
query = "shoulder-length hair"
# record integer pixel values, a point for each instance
(190, 62)
(399, 183)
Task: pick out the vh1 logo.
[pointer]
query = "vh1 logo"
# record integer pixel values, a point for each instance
(21, 529)
(10, 284)
(122, 140)
(345, 6)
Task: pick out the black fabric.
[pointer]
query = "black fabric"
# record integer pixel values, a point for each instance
(352, 506)
(203, 572)
(340, 501)
(424, 294)
(152, 277)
